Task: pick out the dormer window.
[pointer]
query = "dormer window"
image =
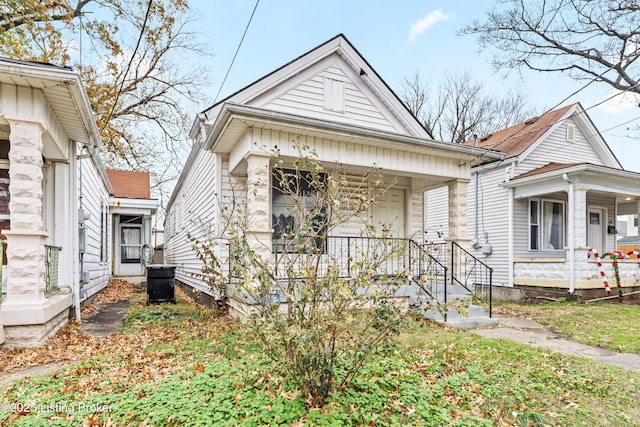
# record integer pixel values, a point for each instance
(334, 95)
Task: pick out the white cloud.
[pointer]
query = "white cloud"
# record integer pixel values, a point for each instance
(621, 103)
(425, 23)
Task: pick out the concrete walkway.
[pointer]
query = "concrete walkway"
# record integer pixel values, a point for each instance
(532, 333)
(107, 321)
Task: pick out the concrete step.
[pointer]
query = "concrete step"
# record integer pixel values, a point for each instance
(468, 317)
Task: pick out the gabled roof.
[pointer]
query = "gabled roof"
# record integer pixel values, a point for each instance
(265, 89)
(516, 139)
(130, 184)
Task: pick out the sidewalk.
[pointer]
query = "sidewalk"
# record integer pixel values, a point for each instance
(532, 333)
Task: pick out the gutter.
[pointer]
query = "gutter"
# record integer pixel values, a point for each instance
(230, 110)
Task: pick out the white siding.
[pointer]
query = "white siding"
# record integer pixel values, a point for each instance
(436, 215)
(416, 219)
(556, 148)
(493, 214)
(193, 211)
(97, 258)
(310, 98)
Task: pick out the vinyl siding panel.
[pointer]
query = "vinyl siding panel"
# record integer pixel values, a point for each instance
(556, 148)
(492, 212)
(308, 99)
(436, 216)
(416, 218)
(353, 185)
(193, 212)
(98, 249)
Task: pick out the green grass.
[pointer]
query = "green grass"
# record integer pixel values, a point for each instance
(195, 369)
(608, 325)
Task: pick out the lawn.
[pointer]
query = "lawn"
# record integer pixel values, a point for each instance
(184, 365)
(603, 324)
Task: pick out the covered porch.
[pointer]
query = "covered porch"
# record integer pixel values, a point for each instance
(562, 214)
(45, 119)
(251, 144)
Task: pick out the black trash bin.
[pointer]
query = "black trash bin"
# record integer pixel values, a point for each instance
(161, 283)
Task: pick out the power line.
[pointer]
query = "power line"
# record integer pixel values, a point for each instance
(133, 55)
(591, 81)
(236, 54)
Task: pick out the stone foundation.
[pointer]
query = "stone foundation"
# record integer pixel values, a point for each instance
(29, 325)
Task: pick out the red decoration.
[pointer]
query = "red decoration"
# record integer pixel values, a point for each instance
(614, 256)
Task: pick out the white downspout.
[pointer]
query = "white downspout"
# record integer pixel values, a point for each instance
(510, 238)
(74, 227)
(572, 270)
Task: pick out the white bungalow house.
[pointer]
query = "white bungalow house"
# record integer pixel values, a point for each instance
(56, 201)
(556, 194)
(332, 100)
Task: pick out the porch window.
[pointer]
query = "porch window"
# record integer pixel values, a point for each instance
(286, 217)
(546, 225)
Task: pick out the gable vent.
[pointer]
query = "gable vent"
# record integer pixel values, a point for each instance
(334, 95)
(571, 130)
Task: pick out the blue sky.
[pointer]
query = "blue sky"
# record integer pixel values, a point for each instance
(398, 39)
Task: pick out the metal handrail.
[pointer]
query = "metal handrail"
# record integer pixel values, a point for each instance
(471, 269)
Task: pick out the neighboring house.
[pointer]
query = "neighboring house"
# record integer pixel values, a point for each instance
(55, 199)
(332, 100)
(556, 193)
(132, 208)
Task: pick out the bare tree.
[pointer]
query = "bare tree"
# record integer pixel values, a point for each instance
(459, 108)
(588, 39)
(132, 63)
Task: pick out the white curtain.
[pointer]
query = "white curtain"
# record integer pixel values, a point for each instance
(552, 217)
(131, 238)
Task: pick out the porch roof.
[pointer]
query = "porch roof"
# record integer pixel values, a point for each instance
(235, 119)
(554, 177)
(63, 89)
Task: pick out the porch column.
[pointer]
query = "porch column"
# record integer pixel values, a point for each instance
(577, 257)
(25, 240)
(258, 202)
(458, 211)
(579, 213)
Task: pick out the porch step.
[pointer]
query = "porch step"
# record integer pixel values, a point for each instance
(475, 316)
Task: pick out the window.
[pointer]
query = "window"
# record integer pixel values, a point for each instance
(546, 225)
(287, 218)
(103, 233)
(130, 239)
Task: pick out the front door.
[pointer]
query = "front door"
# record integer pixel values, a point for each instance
(130, 244)
(596, 229)
(388, 213)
